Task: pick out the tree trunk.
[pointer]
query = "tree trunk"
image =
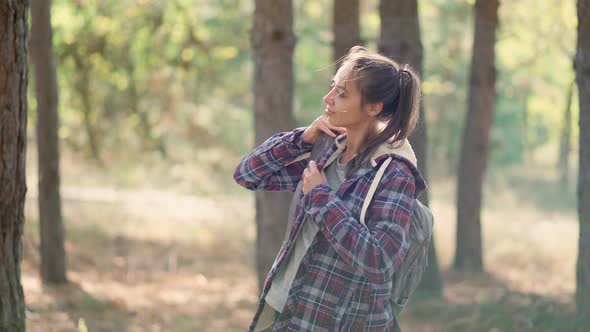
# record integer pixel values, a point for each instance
(565, 140)
(83, 89)
(345, 26)
(53, 255)
(400, 40)
(273, 42)
(582, 65)
(148, 138)
(474, 151)
(13, 138)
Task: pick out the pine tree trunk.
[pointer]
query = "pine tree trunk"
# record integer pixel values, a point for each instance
(13, 138)
(346, 27)
(474, 151)
(400, 39)
(273, 42)
(53, 255)
(582, 65)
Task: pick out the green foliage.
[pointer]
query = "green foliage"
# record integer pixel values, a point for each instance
(140, 70)
(447, 35)
(535, 48)
(312, 59)
(174, 76)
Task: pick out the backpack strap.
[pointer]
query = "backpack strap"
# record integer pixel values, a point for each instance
(372, 189)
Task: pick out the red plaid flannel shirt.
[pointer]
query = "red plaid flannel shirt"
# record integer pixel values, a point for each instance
(344, 281)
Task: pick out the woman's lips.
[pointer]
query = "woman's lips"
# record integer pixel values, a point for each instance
(329, 111)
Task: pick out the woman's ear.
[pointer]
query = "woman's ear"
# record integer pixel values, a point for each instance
(375, 109)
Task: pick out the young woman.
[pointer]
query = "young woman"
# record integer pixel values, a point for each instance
(349, 230)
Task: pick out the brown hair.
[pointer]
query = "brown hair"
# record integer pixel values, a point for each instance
(379, 79)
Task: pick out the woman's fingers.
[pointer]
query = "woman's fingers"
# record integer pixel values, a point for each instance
(341, 129)
(312, 166)
(326, 121)
(327, 130)
(304, 188)
(312, 177)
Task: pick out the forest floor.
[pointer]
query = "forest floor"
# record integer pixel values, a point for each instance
(148, 260)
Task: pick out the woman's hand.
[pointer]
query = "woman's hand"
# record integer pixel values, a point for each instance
(321, 123)
(312, 177)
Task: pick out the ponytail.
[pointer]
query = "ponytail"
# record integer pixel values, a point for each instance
(380, 79)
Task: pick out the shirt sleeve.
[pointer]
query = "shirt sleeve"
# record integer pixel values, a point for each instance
(275, 165)
(378, 249)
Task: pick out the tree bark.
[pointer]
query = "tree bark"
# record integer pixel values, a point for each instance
(273, 42)
(400, 40)
(346, 27)
(53, 255)
(474, 151)
(13, 138)
(582, 66)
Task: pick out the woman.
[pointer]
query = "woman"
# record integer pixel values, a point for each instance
(349, 230)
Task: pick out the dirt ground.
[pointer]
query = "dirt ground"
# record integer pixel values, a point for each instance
(158, 261)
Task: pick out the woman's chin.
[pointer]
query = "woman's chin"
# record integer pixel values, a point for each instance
(333, 122)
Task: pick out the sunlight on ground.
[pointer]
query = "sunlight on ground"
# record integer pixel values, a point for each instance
(157, 261)
(531, 249)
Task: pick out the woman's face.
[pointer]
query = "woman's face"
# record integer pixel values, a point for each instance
(343, 102)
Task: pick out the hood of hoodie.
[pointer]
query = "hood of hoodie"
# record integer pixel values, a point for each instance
(401, 151)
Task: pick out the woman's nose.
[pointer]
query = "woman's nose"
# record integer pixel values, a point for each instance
(328, 98)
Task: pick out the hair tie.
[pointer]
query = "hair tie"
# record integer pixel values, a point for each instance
(403, 69)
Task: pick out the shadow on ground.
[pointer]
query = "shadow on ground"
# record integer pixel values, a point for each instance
(97, 314)
(481, 302)
(122, 283)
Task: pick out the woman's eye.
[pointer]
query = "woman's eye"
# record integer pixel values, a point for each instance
(340, 92)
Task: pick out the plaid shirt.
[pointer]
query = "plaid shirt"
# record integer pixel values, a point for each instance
(344, 282)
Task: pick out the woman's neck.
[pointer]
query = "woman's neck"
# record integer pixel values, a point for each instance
(355, 138)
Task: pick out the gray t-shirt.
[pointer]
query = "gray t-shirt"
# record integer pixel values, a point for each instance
(279, 289)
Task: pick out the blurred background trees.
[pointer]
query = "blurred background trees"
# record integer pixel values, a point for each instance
(52, 251)
(157, 82)
(582, 67)
(273, 42)
(476, 137)
(170, 95)
(400, 39)
(158, 76)
(346, 27)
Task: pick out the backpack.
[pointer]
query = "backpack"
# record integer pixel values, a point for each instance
(409, 274)
(407, 277)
